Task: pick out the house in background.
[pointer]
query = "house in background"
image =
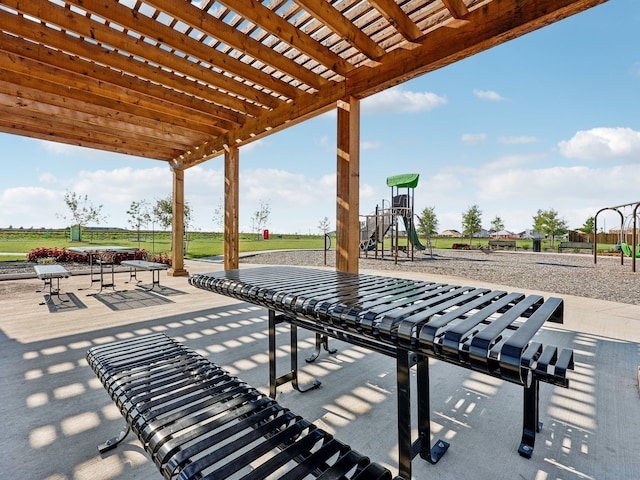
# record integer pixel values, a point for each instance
(504, 234)
(530, 233)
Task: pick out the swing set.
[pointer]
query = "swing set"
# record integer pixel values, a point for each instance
(627, 222)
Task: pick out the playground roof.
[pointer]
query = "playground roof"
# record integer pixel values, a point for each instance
(181, 81)
(407, 180)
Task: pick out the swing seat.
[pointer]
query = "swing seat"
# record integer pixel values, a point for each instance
(626, 249)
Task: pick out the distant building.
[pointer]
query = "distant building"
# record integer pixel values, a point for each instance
(530, 233)
(451, 233)
(504, 234)
(627, 231)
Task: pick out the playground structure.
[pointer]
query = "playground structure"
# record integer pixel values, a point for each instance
(627, 222)
(387, 220)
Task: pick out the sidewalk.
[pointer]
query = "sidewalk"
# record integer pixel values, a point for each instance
(55, 411)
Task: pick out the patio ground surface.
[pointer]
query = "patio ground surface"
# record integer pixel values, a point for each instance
(54, 411)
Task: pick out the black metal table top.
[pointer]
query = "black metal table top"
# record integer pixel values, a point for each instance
(487, 330)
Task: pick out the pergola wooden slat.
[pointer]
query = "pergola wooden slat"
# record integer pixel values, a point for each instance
(185, 81)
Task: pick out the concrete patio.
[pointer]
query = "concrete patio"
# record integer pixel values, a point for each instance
(55, 411)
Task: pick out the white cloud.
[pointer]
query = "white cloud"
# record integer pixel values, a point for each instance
(397, 100)
(570, 190)
(473, 138)
(506, 162)
(489, 95)
(48, 179)
(66, 150)
(18, 204)
(602, 144)
(252, 146)
(517, 140)
(370, 145)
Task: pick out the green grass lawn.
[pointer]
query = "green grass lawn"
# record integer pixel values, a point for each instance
(197, 245)
(201, 244)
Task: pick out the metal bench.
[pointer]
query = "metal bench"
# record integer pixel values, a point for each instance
(48, 273)
(486, 331)
(153, 267)
(197, 421)
(575, 246)
(502, 244)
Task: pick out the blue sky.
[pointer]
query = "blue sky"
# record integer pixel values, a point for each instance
(549, 120)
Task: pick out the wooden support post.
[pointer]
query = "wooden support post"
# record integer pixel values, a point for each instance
(231, 222)
(348, 186)
(177, 229)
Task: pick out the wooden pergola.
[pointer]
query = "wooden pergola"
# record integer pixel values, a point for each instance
(185, 81)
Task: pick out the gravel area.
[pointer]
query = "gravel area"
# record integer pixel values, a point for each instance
(565, 273)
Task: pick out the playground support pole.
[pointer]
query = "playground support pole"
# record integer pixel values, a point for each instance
(634, 235)
(595, 231)
(412, 225)
(634, 238)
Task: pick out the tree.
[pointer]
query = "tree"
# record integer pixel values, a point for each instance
(324, 225)
(471, 221)
(588, 227)
(82, 211)
(428, 222)
(497, 225)
(139, 216)
(549, 223)
(218, 215)
(163, 212)
(260, 217)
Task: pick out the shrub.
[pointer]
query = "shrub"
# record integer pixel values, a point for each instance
(47, 255)
(56, 254)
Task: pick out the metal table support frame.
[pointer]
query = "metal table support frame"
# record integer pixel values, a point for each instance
(408, 447)
(47, 273)
(405, 360)
(100, 255)
(153, 267)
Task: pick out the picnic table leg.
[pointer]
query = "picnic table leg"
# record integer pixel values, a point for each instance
(322, 341)
(92, 274)
(531, 423)
(49, 281)
(292, 375)
(406, 447)
(154, 281)
(403, 380)
(115, 441)
(133, 273)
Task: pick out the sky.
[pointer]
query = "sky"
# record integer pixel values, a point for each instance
(550, 120)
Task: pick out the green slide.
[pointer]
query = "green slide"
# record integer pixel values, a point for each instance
(415, 240)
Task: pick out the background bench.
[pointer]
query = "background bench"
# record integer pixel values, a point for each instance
(195, 420)
(575, 246)
(502, 244)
